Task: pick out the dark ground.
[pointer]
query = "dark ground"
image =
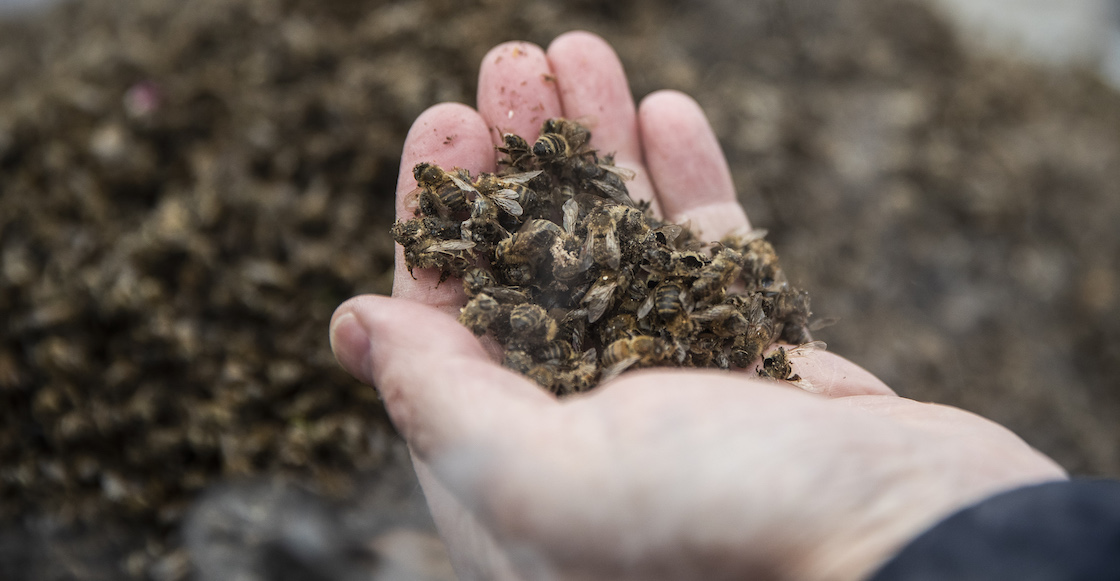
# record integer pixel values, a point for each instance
(187, 190)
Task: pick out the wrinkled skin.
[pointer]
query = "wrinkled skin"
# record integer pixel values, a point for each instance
(660, 473)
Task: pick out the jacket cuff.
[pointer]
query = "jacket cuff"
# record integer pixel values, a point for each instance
(1068, 530)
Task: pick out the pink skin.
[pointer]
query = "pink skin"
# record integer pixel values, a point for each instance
(660, 473)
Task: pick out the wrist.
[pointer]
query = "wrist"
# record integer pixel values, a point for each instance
(885, 527)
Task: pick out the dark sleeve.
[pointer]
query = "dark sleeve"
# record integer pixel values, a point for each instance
(1056, 531)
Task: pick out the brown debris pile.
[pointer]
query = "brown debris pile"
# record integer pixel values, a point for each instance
(580, 283)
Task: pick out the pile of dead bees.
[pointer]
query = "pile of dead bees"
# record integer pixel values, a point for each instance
(578, 283)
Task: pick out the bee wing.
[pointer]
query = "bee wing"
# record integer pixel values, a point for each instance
(613, 250)
(462, 180)
(412, 199)
(479, 206)
(589, 356)
(712, 313)
(449, 246)
(823, 322)
(617, 194)
(508, 295)
(586, 257)
(807, 348)
(507, 200)
(571, 214)
(622, 172)
(670, 231)
(521, 178)
(646, 307)
(598, 299)
(744, 235)
(573, 316)
(614, 370)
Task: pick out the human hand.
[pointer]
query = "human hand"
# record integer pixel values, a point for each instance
(659, 473)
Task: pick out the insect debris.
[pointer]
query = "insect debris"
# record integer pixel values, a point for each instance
(579, 283)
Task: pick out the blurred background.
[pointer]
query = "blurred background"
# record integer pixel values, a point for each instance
(188, 189)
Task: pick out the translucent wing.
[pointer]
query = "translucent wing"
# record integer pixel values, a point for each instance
(622, 172)
(462, 179)
(614, 252)
(450, 246)
(615, 193)
(669, 231)
(646, 306)
(598, 299)
(740, 237)
(571, 214)
(807, 348)
(617, 368)
(507, 200)
(521, 178)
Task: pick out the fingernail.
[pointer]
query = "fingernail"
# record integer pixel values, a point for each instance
(350, 344)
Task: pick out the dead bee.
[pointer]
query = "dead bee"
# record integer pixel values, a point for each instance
(601, 295)
(422, 250)
(476, 280)
(530, 243)
(748, 347)
(672, 303)
(518, 151)
(568, 259)
(574, 326)
(531, 325)
(518, 361)
(480, 313)
(509, 295)
(506, 191)
(620, 326)
(625, 353)
(581, 376)
(555, 351)
(722, 320)
(704, 349)
(483, 227)
(450, 188)
(561, 139)
(791, 307)
(602, 239)
(577, 282)
(606, 178)
(667, 300)
(779, 365)
(715, 277)
(545, 374)
(610, 182)
(442, 228)
(760, 260)
(686, 263)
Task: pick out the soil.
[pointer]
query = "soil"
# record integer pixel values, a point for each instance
(187, 190)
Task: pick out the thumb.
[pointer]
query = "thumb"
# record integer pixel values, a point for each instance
(438, 383)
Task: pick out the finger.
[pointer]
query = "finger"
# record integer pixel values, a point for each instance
(832, 376)
(436, 380)
(516, 90)
(593, 89)
(827, 374)
(687, 166)
(449, 135)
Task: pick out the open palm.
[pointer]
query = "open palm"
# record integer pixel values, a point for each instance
(660, 473)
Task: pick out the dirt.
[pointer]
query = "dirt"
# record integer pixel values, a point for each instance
(188, 190)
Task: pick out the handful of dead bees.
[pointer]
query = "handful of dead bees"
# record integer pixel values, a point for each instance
(579, 283)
